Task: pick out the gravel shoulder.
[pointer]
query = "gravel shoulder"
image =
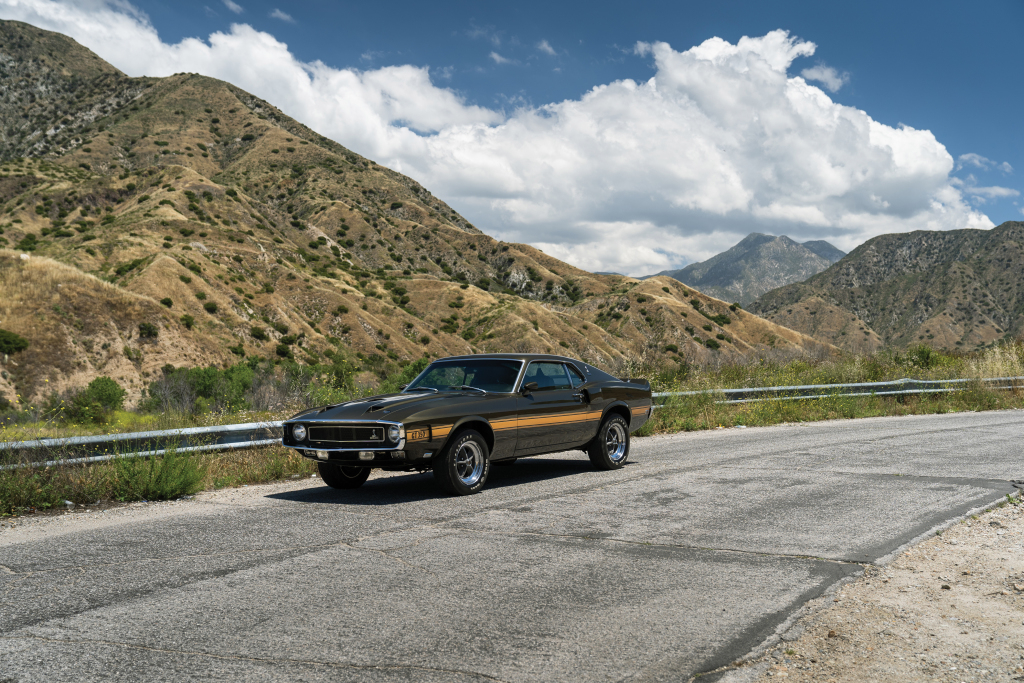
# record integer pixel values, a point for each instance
(950, 608)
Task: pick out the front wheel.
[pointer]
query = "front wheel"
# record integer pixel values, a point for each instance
(462, 467)
(610, 448)
(340, 477)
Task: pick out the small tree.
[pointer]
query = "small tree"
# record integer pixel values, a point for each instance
(107, 392)
(148, 331)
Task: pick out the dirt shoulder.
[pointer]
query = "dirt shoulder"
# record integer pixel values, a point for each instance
(949, 609)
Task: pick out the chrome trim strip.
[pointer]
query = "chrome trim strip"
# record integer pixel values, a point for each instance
(320, 422)
(399, 447)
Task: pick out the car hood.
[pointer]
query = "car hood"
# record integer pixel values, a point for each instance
(386, 407)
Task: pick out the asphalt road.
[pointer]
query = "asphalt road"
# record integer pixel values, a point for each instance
(683, 561)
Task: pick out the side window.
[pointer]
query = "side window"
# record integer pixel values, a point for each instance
(575, 377)
(548, 376)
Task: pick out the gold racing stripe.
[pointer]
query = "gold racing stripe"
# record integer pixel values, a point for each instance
(559, 418)
(640, 411)
(440, 431)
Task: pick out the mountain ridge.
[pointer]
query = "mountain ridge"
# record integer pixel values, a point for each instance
(757, 264)
(950, 289)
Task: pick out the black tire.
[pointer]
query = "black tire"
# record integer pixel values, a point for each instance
(462, 467)
(504, 463)
(610, 448)
(339, 477)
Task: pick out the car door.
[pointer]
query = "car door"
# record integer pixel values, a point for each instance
(592, 405)
(553, 414)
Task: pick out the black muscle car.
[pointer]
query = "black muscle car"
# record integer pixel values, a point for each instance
(464, 413)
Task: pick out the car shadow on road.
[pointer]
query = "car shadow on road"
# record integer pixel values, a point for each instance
(408, 487)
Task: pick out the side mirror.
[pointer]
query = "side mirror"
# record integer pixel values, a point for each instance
(528, 388)
(402, 388)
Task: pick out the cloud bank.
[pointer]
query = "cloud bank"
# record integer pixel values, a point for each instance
(635, 176)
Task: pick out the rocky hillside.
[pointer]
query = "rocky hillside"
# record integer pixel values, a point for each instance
(758, 264)
(957, 289)
(182, 221)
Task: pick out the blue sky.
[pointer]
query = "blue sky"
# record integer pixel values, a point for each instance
(944, 67)
(951, 67)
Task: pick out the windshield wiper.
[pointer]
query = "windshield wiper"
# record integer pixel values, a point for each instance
(466, 386)
(423, 389)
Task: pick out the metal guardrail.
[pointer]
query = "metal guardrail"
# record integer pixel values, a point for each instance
(141, 444)
(226, 437)
(811, 391)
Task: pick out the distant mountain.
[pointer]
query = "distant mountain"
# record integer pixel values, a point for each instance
(824, 250)
(949, 289)
(758, 264)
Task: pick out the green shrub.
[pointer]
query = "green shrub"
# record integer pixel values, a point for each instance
(107, 392)
(158, 478)
(11, 343)
(283, 350)
(166, 301)
(258, 333)
(148, 330)
(188, 321)
(210, 307)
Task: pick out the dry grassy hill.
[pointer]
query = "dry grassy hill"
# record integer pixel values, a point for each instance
(955, 289)
(186, 208)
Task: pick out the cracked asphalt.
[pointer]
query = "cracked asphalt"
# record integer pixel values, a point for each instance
(695, 554)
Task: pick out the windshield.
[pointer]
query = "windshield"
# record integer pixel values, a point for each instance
(488, 374)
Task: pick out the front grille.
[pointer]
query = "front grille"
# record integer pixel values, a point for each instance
(346, 434)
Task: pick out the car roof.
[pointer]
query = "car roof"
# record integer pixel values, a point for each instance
(511, 356)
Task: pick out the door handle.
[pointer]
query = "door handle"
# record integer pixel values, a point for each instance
(578, 396)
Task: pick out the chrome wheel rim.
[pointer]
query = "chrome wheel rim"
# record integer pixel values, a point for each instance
(469, 463)
(615, 442)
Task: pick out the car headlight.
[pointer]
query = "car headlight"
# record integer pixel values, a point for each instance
(299, 432)
(394, 433)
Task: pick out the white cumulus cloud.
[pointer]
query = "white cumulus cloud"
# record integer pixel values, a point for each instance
(827, 76)
(545, 47)
(634, 176)
(233, 6)
(283, 16)
(978, 161)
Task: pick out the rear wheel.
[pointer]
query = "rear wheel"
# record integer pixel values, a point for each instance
(341, 477)
(610, 448)
(462, 467)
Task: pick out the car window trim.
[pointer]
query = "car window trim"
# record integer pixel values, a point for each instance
(522, 371)
(553, 362)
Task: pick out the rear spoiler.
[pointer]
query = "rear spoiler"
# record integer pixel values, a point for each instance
(639, 380)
